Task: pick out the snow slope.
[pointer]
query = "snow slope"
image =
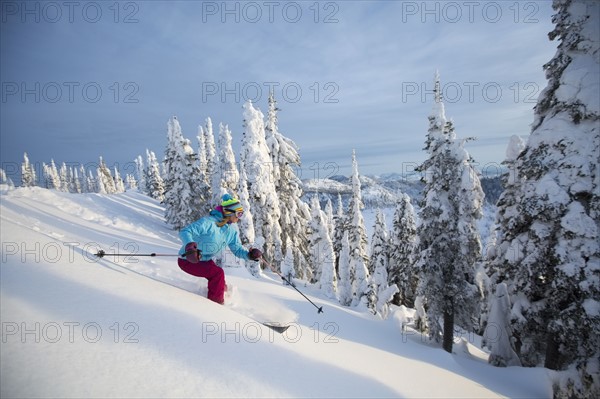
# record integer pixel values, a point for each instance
(75, 326)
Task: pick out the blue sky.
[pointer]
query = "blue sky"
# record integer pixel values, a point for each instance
(87, 79)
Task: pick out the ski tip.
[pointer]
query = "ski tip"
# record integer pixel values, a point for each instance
(277, 327)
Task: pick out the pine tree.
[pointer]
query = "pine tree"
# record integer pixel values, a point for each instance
(363, 291)
(119, 183)
(287, 266)
(51, 176)
(263, 198)
(246, 223)
(183, 201)
(347, 276)
(449, 243)
(211, 161)
(225, 175)
(295, 213)
(63, 175)
(154, 181)
(130, 182)
(402, 271)
(142, 186)
(5, 180)
(498, 336)
(28, 178)
(379, 262)
(322, 250)
(106, 183)
(339, 222)
(554, 266)
(83, 181)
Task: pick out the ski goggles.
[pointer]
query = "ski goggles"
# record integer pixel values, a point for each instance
(239, 214)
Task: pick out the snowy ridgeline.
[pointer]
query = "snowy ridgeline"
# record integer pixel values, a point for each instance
(384, 191)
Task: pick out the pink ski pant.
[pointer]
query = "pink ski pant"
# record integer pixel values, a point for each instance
(210, 271)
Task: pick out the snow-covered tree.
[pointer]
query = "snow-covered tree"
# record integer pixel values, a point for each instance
(555, 237)
(142, 186)
(183, 198)
(106, 182)
(357, 239)
(51, 176)
(449, 243)
(379, 262)
(287, 266)
(119, 183)
(130, 182)
(5, 180)
(83, 181)
(225, 177)
(154, 181)
(246, 223)
(322, 250)
(211, 159)
(498, 333)
(339, 222)
(263, 198)
(403, 240)
(347, 276)
(28, 178)
(295, 213)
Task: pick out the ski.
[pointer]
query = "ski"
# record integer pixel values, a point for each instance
(276, 327)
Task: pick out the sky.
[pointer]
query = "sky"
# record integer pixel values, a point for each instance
(84, 79)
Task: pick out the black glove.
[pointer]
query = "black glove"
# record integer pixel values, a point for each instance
(254, 254)
(192, 253)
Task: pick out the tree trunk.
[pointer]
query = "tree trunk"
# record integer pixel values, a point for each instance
(448, 329)
(552, 361)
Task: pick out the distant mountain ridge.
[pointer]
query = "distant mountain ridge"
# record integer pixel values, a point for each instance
(385, 190)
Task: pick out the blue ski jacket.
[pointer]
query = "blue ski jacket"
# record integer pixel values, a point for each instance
(212, 239)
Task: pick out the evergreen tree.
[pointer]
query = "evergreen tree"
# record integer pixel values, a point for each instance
(402, 271)
(498, 336)
(449, 243)
(339, 222)
(51, 176)
(130, 182)
(554, 266)
(295, 213)
(347, 276)
(263, 198)
(28, 178)
(83, 181)
(287, 266)
(379, 262)
(322, 250)
(363, 291)
(63, 175)
(225, 175)
(119, 183)
(5, 180)
(141, 175)
(211, 161)
(106, 183)
(183, 201)
(154, 181)
(246, 223)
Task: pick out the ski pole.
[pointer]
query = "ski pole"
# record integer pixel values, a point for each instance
(319, 309)
(102, 254)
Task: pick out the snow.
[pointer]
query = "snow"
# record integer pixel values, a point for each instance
(75, 326)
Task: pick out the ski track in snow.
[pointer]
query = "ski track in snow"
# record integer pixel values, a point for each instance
(75, 326)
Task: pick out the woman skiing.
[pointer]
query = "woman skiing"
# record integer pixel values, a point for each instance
(206, 237)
